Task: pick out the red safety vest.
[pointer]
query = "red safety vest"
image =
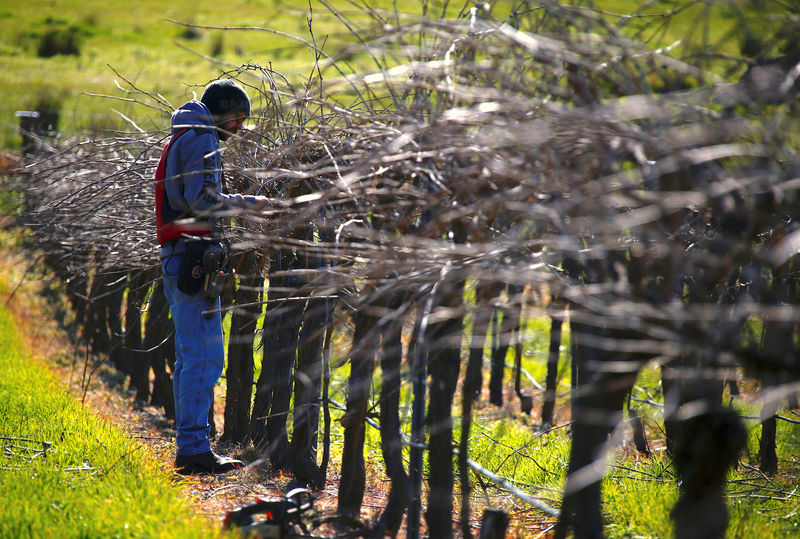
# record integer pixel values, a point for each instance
(171, 230)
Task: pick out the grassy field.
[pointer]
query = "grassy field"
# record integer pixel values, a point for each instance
(106, 43)
(58, 55)
(639, 492)
(67, 473)
(136, 41)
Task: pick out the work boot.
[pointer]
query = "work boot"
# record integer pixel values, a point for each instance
(205, 463)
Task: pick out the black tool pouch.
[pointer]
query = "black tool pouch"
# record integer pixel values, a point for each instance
(190, 274)
(216, 267)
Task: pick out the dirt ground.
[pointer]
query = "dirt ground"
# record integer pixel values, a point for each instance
(212, 496)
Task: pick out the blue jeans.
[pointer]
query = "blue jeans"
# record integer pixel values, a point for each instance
(199, 358)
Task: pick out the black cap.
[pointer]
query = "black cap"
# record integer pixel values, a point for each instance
(224, 96)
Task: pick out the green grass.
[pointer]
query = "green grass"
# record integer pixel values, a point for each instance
(11, 200)
(105, 43)
(639, 492)
(141, 43)
(66, 473)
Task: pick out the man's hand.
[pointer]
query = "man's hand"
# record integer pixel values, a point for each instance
(261, 203)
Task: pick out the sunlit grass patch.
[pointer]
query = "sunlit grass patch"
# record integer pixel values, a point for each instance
(65, 472)
(530, 458)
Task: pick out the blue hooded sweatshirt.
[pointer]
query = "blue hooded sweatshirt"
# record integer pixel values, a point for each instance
(193, 175)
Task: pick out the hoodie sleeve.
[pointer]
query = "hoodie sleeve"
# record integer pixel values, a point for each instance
(201, 167)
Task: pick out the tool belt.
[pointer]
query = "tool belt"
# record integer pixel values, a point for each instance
(205, 266)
